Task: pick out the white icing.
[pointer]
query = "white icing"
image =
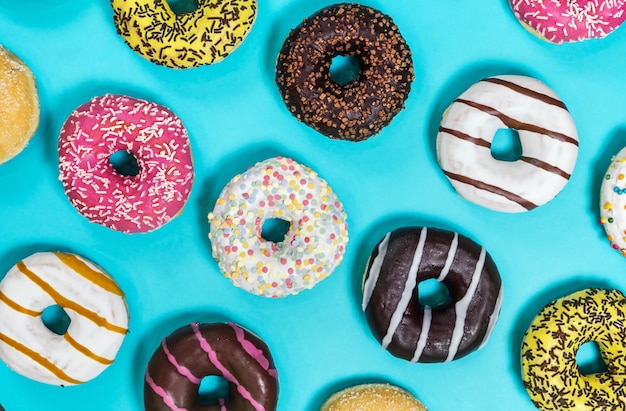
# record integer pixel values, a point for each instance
(30, 331)
(530, 182)
(421, 343)
(374, 272)
(462, 306)
(450, 258)
(409, 288)
(613, 201)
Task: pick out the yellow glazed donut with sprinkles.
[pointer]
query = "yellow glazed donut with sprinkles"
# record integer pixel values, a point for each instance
(203, 36)
(313, 246)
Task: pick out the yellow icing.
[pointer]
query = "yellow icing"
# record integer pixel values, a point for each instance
(548, 355)
(204, 36)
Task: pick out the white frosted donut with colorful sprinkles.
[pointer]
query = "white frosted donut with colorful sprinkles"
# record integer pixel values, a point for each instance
(157, 140)
(613, 202)
(314, 245)
(91, 299)
(559, 21)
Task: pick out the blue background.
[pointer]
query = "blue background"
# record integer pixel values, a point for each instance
(235, 116)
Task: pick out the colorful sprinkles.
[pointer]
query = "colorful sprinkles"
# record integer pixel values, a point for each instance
(560, 21)
(613, 202)
(313, 246)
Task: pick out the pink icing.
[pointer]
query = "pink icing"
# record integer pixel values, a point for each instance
(182, 370)
(167, 400)
(560, 21)
(206, 347)
(253, 351)
(157, 139)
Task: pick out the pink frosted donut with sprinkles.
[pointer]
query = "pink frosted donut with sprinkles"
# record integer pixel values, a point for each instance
(154, 180)
(195, 351)
(564, 21)
(313, 246)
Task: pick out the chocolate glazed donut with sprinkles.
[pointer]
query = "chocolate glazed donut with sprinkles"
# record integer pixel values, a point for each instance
(421, 333)
(195, 351)
(362, 107)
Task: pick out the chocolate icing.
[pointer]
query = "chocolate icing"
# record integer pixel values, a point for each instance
(361, 108)
(400, 250)
(199, 350)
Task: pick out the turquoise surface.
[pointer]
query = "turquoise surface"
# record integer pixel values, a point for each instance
(235, 117)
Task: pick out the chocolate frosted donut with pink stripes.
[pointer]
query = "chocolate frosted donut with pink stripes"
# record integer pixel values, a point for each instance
(547, 135)
(195, 351)
(448, 330)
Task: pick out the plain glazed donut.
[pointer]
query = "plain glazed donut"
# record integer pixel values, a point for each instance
(204, 36)
(548, 354)
(560, 21)
(195, 351)
(547, 134)
(361, 108)
(407, 256)
(373, 397)
(613, 202)
(153, 135)
(278, 188)
(90, 298)
(19, 105)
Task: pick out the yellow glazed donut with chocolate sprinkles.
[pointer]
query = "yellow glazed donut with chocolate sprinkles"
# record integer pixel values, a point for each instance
(91, 299)
(205, 35)
(549, 368)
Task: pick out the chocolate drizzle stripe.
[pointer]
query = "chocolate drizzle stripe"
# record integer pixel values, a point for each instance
(67, 303)
(546, 166)
(374, 271)
(528, 205)
(518, 125)
(16, 307)
(466, 137)
(526, 91)
(86, 351)
(454, 245)
(96, 277)
(424, 331)
(407, 293)
(462, 306)
(39, 359)
(493, 318)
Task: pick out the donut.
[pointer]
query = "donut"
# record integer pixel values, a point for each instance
(150, 133)
(613, 202)
(547, 135)
(91, 299)
(19, 105)
(372, 397)
(362, 107)
(560, 22)
(203, 36)
(548, 353)
(408, 256)
(195, 351)
(314, 245)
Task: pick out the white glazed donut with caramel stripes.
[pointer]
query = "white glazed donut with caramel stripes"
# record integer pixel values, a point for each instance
(547, 134)
(93, 302)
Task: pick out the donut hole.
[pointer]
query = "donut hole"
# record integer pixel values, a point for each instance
(506, 145)
(589, 359)
(345, 69)
(212, 388)
(55, 319)
(124, 163)
(432, 293)
(183, 6)
(275, 230)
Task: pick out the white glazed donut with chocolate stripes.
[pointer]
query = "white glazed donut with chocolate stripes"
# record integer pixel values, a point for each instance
(91, 299)
(547, 134)
(421, 333)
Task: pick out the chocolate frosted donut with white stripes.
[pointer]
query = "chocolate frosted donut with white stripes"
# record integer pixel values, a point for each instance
(420, 333)
(90, 298)
(195, 351)
(547, 135)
